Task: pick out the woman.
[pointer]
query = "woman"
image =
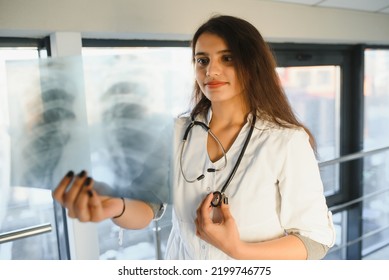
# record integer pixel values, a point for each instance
(246, 184)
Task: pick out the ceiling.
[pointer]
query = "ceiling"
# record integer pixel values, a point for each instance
(375, 6)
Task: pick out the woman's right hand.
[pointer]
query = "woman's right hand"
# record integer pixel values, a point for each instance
(76, 194)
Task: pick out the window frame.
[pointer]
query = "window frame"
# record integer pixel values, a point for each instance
(40, 43)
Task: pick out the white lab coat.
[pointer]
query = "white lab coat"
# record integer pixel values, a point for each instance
(276, 190)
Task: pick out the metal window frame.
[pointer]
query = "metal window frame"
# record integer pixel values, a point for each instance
(105, 43)
(39, 43)
(294, 55)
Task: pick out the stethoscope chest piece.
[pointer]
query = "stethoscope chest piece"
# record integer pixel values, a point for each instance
(218, 198)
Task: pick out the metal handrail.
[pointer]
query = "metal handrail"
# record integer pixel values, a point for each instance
(361, 238)
(24, 233)
(353, 156)
(350, 157)
(359, 199)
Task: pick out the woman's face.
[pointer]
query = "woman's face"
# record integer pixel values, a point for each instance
(215, 70)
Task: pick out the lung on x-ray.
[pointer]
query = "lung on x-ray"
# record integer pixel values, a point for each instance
(107, 115)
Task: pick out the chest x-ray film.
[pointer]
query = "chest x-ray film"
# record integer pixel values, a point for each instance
(109, 115)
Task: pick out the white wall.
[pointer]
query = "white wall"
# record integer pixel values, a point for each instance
(177, 19)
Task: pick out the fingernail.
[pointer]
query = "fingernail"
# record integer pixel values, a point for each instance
(87, 181)
(90, 193)
(81, 174)
(70, 174)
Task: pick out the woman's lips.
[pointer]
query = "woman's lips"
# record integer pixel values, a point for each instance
(215, 84)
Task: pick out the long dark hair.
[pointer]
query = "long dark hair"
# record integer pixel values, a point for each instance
(256, 69)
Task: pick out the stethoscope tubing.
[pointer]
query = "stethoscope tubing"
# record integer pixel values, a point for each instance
(184, 140)
(218, 195)
(246, 142)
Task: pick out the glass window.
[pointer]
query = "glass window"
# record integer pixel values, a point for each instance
(376, 167)
(376, 92)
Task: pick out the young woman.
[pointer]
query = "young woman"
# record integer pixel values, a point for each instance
(246, 184)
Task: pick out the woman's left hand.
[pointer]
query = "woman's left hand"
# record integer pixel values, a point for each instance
(223, 233)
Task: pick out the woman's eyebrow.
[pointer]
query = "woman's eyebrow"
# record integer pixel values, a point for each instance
(200, 53)
(219, 52)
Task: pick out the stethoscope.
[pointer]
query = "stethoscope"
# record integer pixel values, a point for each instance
(218, 196)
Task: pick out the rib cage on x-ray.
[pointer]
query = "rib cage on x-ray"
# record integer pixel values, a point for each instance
(48, 137)
(41, 120)
(138, 143)
(112, 129)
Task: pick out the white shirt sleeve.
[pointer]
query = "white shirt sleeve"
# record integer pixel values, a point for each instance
(303, 207)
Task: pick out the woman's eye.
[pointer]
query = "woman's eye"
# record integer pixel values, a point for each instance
(228, 58)
(202, 60)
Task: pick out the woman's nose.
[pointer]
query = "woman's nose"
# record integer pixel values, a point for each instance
(213, 68)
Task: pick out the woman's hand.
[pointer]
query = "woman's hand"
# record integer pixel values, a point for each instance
(77, 195)
(221, 231)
